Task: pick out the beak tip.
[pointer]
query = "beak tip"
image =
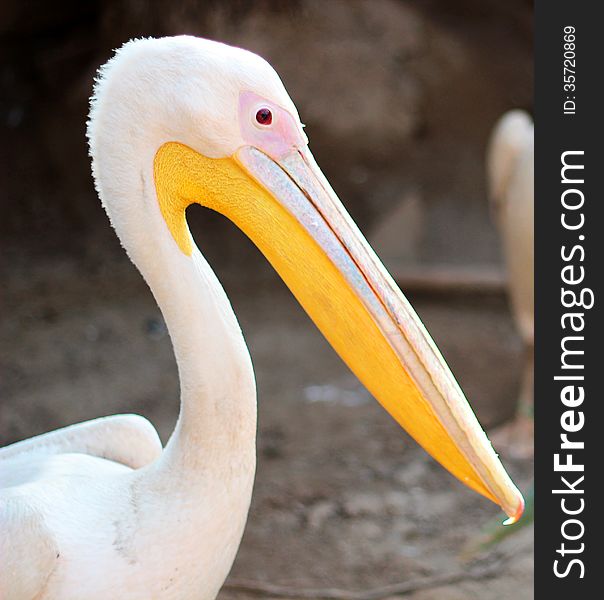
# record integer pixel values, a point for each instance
(512, 519)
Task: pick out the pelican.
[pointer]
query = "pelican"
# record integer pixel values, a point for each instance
(100, 510)
(511, 179)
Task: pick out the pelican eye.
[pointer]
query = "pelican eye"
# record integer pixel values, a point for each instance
(264, 116)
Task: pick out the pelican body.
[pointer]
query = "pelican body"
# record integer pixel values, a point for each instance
(510, 166)
(100, 510)
(510, 161)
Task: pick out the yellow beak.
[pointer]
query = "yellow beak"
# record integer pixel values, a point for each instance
(290, 212)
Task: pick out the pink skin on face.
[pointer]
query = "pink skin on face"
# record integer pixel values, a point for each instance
(276, 139)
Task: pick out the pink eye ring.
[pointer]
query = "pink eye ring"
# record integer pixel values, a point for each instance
(264, 116)
(267, 126)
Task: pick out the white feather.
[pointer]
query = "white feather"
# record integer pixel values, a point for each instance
(510, 163)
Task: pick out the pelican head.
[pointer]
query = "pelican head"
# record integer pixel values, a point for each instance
(511, 135)
(219, 129)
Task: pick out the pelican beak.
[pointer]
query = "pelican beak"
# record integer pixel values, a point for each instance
(287, 208)
(341, 283)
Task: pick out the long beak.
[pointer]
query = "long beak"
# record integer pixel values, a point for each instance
(287, 208)
(337, 278)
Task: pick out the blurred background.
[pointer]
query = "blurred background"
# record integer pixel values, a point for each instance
(399, 98)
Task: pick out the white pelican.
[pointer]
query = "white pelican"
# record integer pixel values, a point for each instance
(98, 510)
(510, 171)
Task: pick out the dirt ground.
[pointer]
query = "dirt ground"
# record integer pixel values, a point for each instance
(343, 497)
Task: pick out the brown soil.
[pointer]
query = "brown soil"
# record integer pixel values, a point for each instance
(343, 497)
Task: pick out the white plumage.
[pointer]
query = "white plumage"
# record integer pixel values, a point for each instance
(510, 166)
(511, 170)
(78, 497)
